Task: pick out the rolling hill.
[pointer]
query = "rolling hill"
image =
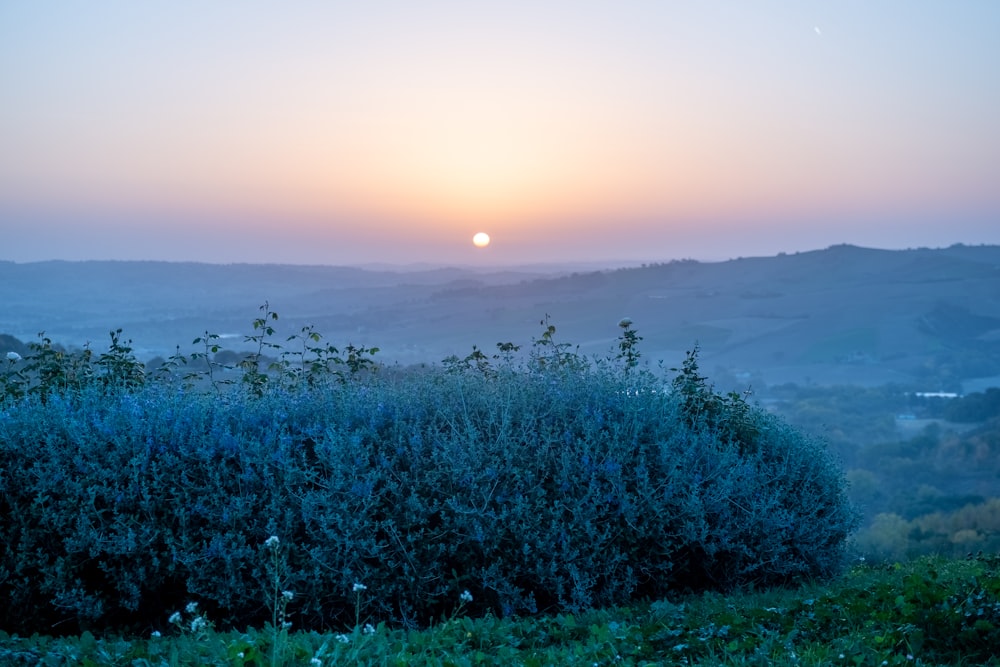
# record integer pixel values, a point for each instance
(843, 315)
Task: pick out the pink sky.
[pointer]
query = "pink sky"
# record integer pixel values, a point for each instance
(346, 133)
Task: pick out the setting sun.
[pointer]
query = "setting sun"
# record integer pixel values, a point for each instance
(481, 240)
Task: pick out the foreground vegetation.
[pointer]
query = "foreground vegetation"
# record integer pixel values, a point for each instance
(537, 482)
(927, 612)
(531, 506)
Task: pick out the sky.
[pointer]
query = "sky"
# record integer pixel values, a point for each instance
(391, 132)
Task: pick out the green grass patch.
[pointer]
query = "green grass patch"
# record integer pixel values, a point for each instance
(927, 612)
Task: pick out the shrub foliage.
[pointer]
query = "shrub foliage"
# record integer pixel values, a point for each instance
(537, 480)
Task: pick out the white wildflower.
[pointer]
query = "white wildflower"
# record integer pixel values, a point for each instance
(175, 617)
(466, 596)
(198, 624)
(288, 595)
(359, 587)
(343, 639)
(286, 625)
(156, 633)
(191, 607)
(316, 662)
(625, 322)
(369, 629)
(13, 356)
(272, 542)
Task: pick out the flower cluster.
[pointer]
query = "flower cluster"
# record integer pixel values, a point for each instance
(197, 625)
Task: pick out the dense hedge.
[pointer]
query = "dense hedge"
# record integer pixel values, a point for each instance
(535, 487)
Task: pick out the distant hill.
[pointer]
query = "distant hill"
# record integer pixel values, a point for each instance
(840, 315)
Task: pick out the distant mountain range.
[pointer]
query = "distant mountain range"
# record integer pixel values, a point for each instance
(843, 315)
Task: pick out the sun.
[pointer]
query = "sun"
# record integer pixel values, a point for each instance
(481, 240)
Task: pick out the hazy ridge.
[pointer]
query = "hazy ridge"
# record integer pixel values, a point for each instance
(840, 315)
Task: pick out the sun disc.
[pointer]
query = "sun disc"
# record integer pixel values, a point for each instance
(481, 240)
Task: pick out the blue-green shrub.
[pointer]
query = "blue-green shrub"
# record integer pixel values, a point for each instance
(555, 483)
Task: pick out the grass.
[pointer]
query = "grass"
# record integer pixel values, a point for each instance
(930, 611)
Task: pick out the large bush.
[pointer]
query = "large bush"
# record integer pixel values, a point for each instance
(552, 483)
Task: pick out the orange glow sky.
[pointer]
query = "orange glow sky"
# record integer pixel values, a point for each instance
(346, 133)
